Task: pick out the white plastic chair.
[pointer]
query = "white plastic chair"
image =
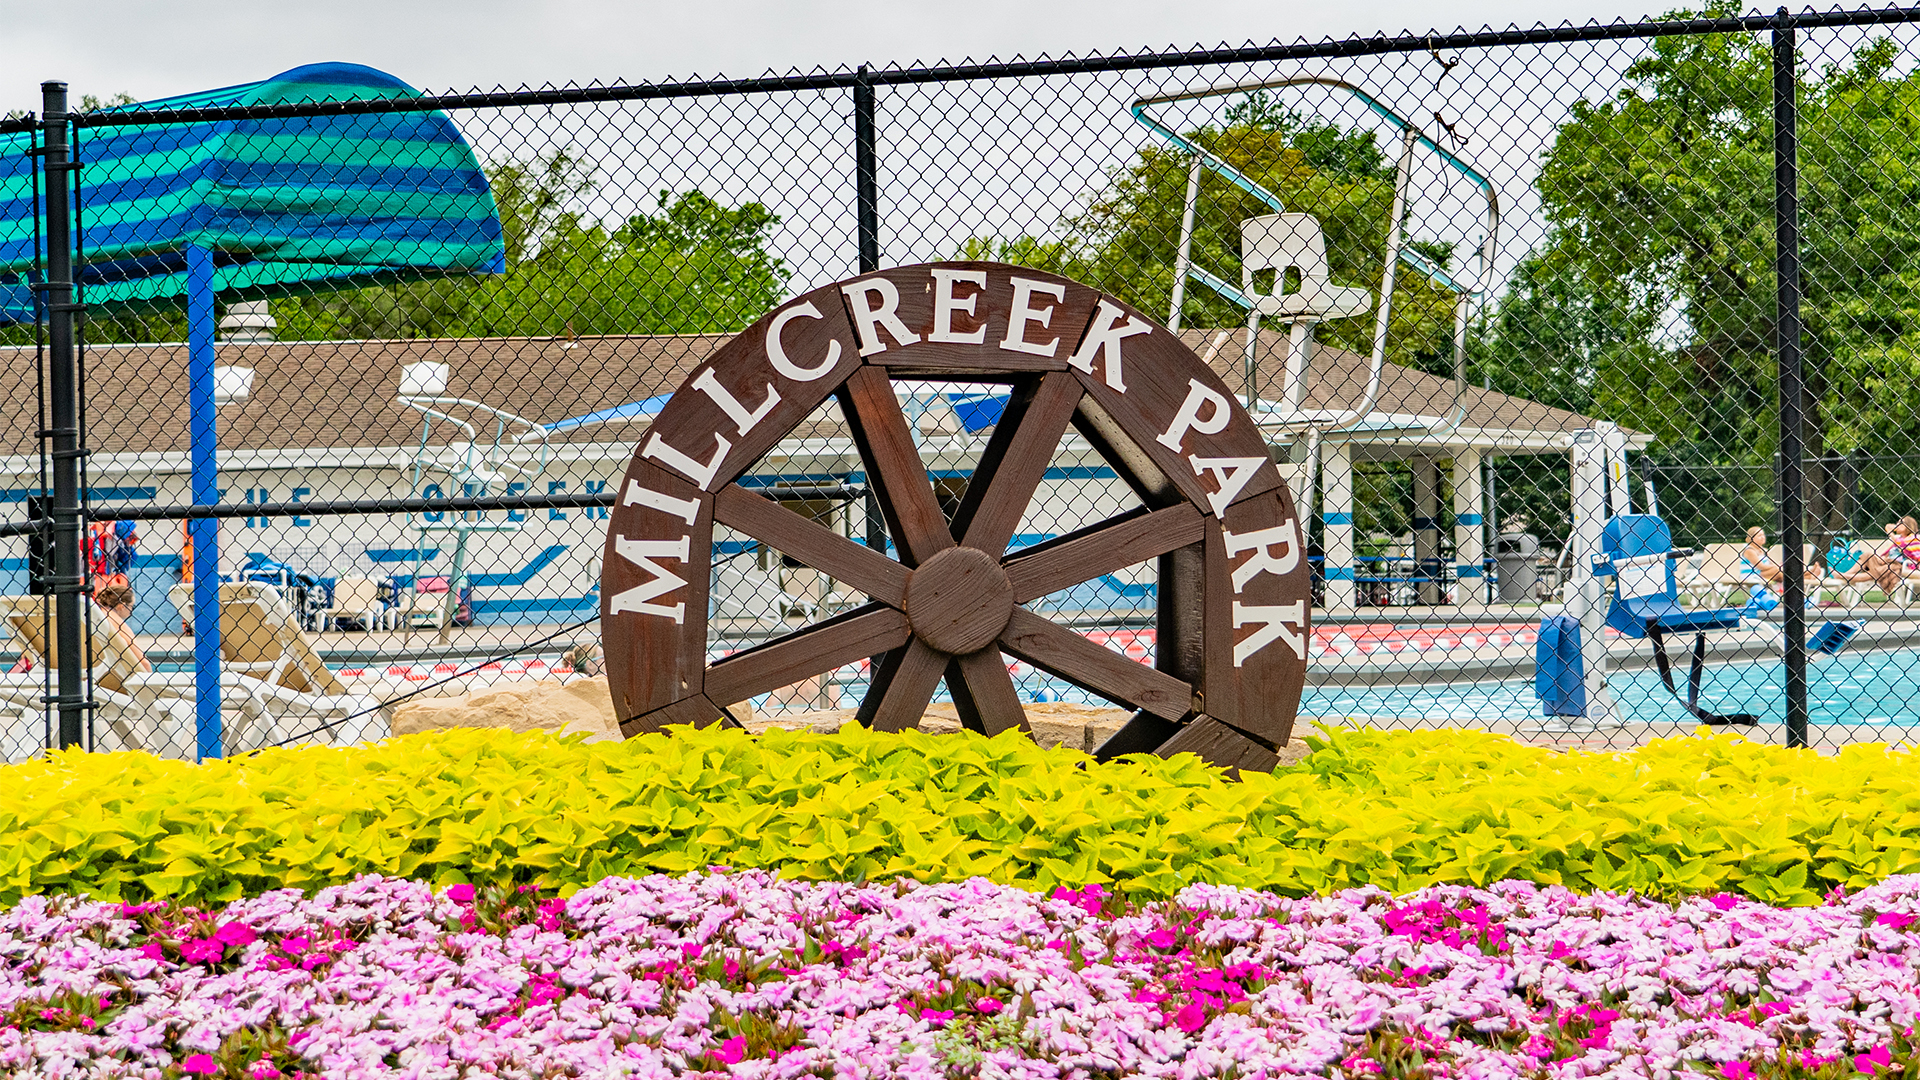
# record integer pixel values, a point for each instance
(1283, 242)
(353, 598)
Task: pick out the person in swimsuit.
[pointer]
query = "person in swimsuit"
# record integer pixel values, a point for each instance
(1886, 567)
(1758, 567)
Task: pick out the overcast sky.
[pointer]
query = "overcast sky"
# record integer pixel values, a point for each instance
(153, 49)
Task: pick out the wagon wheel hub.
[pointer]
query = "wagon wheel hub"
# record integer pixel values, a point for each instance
(959, 600)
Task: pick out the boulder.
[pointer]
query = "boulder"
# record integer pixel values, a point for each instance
(580, 705)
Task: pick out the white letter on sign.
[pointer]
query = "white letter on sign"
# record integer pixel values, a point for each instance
(1103, 334)
(684, 509)
(742, 418)
(700, 473)
(945, 304)
(1188, 418)
(1284, 537)
(865, 318)
(1276, 621)
(1023, 312)
(1231, 473)
(641, 554)
(778, 354)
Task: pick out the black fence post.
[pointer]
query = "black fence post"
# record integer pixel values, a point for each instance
(866, 173)
(63, 421)
(1786, 261)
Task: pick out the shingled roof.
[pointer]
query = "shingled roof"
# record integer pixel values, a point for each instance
(344, 394)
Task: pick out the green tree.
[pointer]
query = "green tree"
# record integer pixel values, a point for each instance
(695, 266)
(1661, 204)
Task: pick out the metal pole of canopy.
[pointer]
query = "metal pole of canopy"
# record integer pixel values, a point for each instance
(63, 401)
(205, 434)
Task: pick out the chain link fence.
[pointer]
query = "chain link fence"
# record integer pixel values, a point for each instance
(343, 375)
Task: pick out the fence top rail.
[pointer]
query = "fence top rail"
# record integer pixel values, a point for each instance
(900, 75)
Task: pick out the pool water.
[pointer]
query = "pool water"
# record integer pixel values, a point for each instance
(1852, 688)
(1881, 688)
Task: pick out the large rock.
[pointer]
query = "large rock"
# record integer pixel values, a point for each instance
(580, 705)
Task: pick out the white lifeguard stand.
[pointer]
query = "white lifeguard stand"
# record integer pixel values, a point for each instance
(1290, 241)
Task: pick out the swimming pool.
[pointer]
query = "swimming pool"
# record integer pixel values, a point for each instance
(1878, 688)
(1881, 688)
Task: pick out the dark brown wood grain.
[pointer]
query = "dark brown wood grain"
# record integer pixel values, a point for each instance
(1101, 548)
(1143, 734)
(812, 650)
(1267, 683)
(694, 416)
(1158, 371)
(893, 464)
(983, 693)
(812, 543)
(903, 700)
(653, 660)
(1066, 322)
(696, 710)
(1016, 458)
(1219, 744)
(959, 600)
(1093, 667)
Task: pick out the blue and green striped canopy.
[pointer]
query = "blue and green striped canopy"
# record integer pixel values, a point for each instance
(284, 204)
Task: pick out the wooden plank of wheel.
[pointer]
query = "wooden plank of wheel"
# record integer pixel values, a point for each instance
(950, 602)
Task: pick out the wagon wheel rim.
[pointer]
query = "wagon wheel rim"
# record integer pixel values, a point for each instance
(956, 598)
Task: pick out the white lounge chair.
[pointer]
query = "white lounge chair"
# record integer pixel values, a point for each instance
(261, 642)
(125, 717)
(354, 598)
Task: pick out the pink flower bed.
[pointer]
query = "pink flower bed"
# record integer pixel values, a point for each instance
(742, 974)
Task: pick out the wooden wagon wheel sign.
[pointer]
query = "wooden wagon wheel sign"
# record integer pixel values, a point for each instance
(1232, 592)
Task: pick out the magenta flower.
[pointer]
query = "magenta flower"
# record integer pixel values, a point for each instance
(731, 1051)
(1162, 939)
(1190, 1018)
(237, 934)
(1895, 919)
(1874, 1062)
(936, 1017)
(987, 1005)
(199, 1063)
(153, 950)
(1724, 901)
(201, 950)
(1736, 1070)
(460, 894)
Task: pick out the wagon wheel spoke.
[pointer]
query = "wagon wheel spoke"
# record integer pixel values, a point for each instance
(1102, 548)
(1015, 461)
(893, 465)
(898, 700)
(812, 543)
(846, 638)
(1093, 667)
(983, 692)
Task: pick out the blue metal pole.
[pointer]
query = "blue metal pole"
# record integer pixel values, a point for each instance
(206, 491)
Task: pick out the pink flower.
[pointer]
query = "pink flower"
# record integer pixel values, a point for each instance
(460, 894)
(1895, 919)
(201, 950)
(1190, 1018)
(987, 1005)
(200, 1063)
(1724, 901)
(1874, 1062)
(153, 950)
(1736, 1070)
(1162, 939)
(1811, 1060)
(936, 1017)
(732, 1050)
(237, 934)
(295, 945)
